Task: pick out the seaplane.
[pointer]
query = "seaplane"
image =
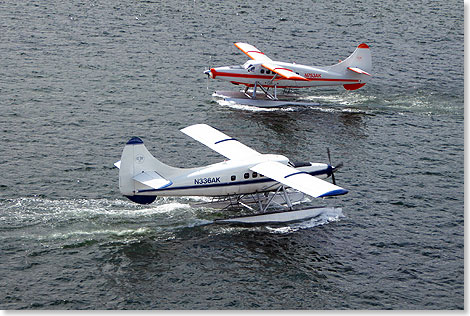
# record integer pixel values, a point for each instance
(270, 185)
(263, 73)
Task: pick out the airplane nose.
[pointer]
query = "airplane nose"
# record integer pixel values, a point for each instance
(210, 73)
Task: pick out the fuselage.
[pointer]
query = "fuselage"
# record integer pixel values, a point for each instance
(253, 72)
(226, 178)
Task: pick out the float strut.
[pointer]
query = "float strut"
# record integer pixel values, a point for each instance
(254, 90)
(286, 197)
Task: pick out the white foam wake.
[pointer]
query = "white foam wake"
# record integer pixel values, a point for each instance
(328, 216)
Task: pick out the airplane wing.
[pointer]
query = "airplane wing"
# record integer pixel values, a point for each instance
(253, 52)
(267, 62)
(218, 141)
(233, 149)
(299, 180)
(284, 72)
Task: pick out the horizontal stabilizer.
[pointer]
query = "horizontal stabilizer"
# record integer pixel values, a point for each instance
(152, 179)
(118, 164)
(298, 180)
(359, 71)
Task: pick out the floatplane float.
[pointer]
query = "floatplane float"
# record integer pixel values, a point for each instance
(268, 185)
(262, 73)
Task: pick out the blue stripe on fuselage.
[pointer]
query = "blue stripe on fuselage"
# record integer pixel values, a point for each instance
(260, 180)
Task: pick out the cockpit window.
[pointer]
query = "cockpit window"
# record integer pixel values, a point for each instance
(298, 164)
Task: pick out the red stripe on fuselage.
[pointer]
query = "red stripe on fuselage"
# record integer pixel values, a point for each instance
(295, 87)
(229, 74)
(267, 86)
(234, 75)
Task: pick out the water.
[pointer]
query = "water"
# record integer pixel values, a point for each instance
(79, 79)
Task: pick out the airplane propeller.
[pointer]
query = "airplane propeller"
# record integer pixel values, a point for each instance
(335, 168)
(208, 72)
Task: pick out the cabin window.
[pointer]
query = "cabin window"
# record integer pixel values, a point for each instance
(233, 178)
(268, 72)
(254, 175)
(246, 175)
(262, 71)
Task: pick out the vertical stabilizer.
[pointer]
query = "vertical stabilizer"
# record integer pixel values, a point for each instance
(136, 160)
(361, 59)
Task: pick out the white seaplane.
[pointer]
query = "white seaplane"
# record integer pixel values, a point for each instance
(247, 178)
(264, 73)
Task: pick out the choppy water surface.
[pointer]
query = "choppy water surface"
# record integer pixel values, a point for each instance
(79, 79)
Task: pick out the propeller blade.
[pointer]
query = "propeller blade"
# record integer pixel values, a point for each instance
(335, 168)
(338, 166)
(332, 170)
(208, 72)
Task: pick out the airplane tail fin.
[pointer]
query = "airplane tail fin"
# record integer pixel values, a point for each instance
(359, 64)
(139, 170)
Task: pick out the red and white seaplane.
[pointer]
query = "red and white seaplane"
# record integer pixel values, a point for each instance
(264, 73)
